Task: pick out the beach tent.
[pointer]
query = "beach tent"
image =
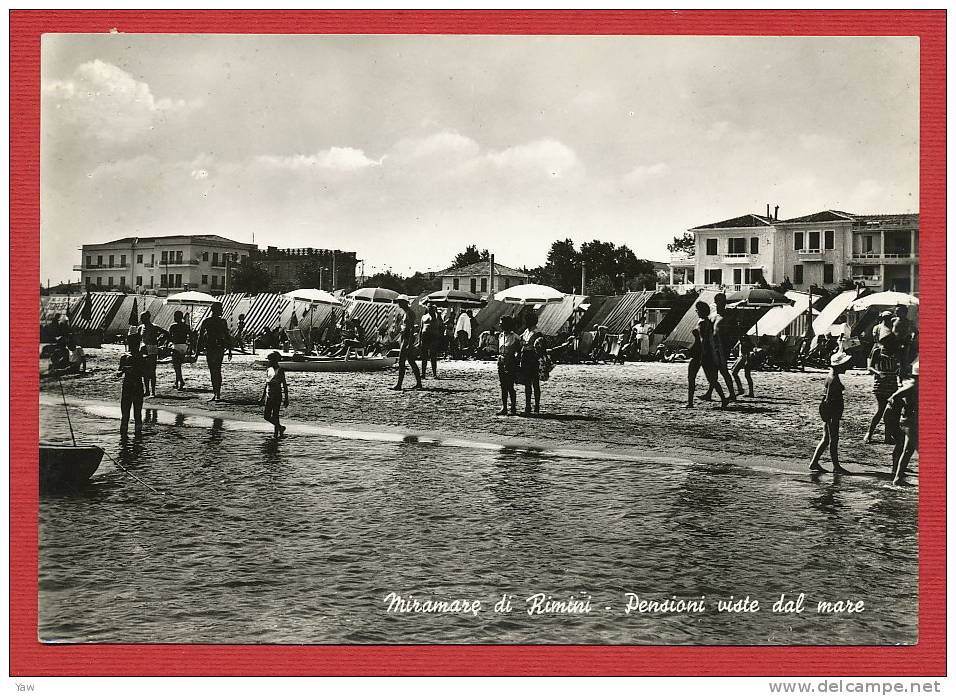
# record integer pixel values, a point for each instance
(55, 304)
(786, 319)
(320, 316)
(118, 325)
(683, 334)
(488, 317)
(265, 312)
(601, 307)
(832, 312)
(229, 303)
(553, 317)
(632, 304)
(104, 307)
(371, 314)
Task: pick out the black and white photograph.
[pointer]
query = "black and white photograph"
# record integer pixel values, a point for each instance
(474, 339)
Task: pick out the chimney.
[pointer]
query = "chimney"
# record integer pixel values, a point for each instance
(776, 211)
(768, 210)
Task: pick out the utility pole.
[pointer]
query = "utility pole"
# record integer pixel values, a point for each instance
(584, 278)
(491, 276)
(332, 289)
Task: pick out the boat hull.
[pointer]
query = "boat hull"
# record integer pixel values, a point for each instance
(335, 365)
(67, 466)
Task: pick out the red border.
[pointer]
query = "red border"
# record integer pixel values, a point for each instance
(28, 657)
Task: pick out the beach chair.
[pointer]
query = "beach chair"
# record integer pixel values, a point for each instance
(297, 341)
(612, 347)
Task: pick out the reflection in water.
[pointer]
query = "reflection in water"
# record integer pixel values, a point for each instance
(298, 539)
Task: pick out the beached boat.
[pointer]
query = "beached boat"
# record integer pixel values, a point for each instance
(312, 364)
(67, 466)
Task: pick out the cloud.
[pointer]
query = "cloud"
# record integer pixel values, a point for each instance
(645, 172)
(543, 156)
(108, 104)
(445, 145)
(334, 158)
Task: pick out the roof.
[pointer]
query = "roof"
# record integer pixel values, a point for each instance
(481, 268)
(898, 218)
(749, 220)
(823, 216)
(207, 238)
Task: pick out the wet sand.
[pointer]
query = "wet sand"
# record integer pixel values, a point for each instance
(636, 407)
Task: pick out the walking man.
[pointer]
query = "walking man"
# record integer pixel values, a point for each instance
(721, 347)
(406, 354)
(214, 335)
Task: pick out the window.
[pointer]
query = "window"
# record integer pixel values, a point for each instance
(152, 258)
(868, 244)
(828, 273)
(162, 280)
(205, 280)
(737, 276)
(454, 284)
(89, 260)
(736, 245)
(215, 260)
(755, 245)
(814, 240)
(798, 274)
(89, 281)
(99, 260)
(99, 281)
(474, 285)
(205, 256)
(484, 285)
(214, 282)
(797, 240)
(122, 259)
(139, 281)
(713, 276)
(828, 239)
(151, 281)
(139, 258)
(179, 257)
(753, 275)
(165, 257)
(222, 282)
(122, 281)
(110, 281)
(179, 279)
(712, 247)
(111, 260)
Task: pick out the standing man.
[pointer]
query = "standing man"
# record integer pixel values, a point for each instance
(407, 349)
(430, 339)
(463, 335)
(903, 330)
(214, 335)
(721, 347)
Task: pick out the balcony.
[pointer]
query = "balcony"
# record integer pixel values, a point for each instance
(810, 255)
(681, 288)
(869, 281)
(736, 258)
(875, 257)
(101, 267)
(183, 262)
(679, 260)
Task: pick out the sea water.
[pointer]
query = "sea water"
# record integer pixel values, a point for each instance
(229, 536)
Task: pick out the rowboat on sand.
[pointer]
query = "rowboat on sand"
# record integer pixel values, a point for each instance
(313, 364)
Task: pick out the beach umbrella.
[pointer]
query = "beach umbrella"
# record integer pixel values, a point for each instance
(87, 312)
(883, 299)
(444, 298)
(381, 295)
(530, 294)
(191, 297)
(313, 296)
(757, 298)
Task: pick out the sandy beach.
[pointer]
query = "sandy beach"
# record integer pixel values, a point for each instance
(633, 407)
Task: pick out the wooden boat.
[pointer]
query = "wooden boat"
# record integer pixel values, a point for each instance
(67, 466)
(313, 364)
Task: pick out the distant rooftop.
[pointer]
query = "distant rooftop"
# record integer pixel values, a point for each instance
(749, 220)
(481, 268)
(208, 238)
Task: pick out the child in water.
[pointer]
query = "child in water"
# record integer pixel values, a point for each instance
(831, 412)
(275, 393)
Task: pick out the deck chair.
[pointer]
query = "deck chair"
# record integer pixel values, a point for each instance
(613, 346)
(297, 341)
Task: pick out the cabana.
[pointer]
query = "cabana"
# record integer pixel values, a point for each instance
(265, 312)
(683, 334)
(601, 307)
(787, 319)
(830, 314)
(552, 318)
(104, 306)
(631, 305)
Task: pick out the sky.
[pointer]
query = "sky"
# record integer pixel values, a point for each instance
(405, 149)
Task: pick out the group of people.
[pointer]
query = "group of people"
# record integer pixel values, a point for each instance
(713, 341)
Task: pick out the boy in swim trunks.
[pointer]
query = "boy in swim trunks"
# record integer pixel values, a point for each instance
(275, 393)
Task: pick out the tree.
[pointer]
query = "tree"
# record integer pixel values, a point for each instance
(471, 255)
(389, 280)
(313, 274)
(684, 244)
(601, 285)
(250, 277)
(562, 270)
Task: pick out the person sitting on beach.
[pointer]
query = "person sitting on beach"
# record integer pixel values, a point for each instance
(884, 367)
(487, 345)
(508, 346)
(905, 401)
(60, 357)
(406, 353)
(831, 413)
(352, 339)
(745, 347)
(132, 367)
(275, 393)
(77, 357)
(179, 337)
(702, 356)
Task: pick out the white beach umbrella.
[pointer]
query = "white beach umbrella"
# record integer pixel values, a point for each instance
(884, 299)
(191, 297)
(313, 296)
(530, 294)
(383, 295)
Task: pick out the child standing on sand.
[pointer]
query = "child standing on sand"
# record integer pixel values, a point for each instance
(831, 412)
(275, 393)
(133, 368)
